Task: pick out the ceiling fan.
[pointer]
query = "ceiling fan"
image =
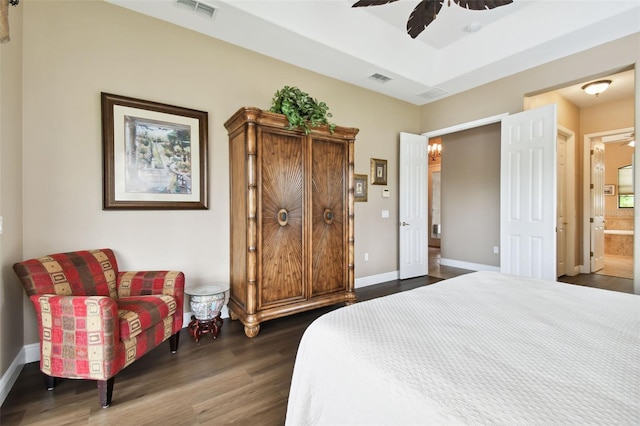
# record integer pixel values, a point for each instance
(426, 11)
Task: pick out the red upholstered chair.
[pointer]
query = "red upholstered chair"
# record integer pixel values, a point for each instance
(95, 320)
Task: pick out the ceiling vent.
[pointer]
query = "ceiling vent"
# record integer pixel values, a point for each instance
(379, 78)
(198, 7)
(433, 93)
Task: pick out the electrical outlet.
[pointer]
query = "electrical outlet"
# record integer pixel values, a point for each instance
(496, 249)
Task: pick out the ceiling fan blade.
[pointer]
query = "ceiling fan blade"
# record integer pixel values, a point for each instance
(363, 3)
(424, 14)
(481, 4)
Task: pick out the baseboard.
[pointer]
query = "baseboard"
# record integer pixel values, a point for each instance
(376, 279)
(31, 353)
(468, 265)
(11, 375)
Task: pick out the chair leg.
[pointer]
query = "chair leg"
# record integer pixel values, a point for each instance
(173, 342)
(49, 382)
(105, 391)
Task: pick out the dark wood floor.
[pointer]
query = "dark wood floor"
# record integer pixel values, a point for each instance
(229, 380)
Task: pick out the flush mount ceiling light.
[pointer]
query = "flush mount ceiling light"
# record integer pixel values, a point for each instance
(596, 87)
(425, 12)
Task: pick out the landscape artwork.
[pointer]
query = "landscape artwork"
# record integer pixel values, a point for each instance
(158, 157)
(155, 155)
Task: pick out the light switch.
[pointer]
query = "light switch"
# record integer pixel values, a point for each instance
(385, 213)
(385, 193)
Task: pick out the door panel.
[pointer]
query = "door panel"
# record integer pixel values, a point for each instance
(528, 193)
(561, 238)
(281, 201)
(413, 198)
(597, 206)
(328, 217)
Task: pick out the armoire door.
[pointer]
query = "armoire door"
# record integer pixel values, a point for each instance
(281, 199)
(329, 216)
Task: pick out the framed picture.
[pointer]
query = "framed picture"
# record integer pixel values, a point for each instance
(154, 155)
(609, 190)
(378, 171)
(360, 187)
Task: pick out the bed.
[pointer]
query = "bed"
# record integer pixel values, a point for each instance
(481, 348)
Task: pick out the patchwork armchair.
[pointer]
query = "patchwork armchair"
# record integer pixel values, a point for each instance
(95, 320)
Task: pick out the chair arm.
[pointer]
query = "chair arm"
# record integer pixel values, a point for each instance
(79, 335)
(143, 283)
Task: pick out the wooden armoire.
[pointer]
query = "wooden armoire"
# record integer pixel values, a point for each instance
(291, 217)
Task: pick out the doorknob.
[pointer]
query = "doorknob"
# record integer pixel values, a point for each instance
(404, 224)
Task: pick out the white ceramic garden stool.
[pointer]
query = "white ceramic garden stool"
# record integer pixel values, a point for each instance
(206, 303)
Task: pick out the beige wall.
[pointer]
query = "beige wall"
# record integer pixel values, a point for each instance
(75, 50)
(506, 95)
(470, 195)
(11, 293)
(610, 116)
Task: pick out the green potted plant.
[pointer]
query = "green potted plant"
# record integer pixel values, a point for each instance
(302, 111)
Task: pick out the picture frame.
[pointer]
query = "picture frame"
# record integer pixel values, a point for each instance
(154, 155)
(378, 171)
(360, 188)
(610, 189)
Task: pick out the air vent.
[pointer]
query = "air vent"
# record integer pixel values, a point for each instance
(198, 7)
(379, 78)
(433, 93)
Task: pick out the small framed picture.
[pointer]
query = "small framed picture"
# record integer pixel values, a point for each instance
(609, 190)
(378, 171)
(360, 187)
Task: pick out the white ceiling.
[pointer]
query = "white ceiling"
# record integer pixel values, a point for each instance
(350, 44)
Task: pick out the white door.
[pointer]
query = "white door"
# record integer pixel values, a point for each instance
(561, 236)
(528, 193)
(597, 206)
(413, 212)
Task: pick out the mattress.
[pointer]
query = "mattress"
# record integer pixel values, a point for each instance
(482, 348)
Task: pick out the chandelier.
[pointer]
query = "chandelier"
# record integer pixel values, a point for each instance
(434, 150)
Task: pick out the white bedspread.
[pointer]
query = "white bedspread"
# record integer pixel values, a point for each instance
(482, 348)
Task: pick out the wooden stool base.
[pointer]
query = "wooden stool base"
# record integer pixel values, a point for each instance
(199, 327)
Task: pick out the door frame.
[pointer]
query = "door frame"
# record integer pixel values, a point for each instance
(571, 229)
(572, 267)
(458, 128)
(586, 197)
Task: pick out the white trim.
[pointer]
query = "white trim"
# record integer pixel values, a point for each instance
(376, 279)
(468, 265)
(11, 375)
(31, 353)
(571, 215)
(466, 126)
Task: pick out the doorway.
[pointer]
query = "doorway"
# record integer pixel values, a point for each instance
(617, 238)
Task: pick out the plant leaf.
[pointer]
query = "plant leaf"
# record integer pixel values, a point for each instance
(363, 3)
(424, 13)
(481, 4)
